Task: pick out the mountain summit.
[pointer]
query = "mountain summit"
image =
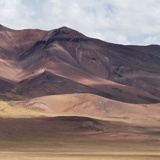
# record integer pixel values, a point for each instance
(67, 32)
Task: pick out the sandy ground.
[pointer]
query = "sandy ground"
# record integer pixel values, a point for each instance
(60, 139)
(49, 156)
(26, 136)
(54, 153)
(90, 105)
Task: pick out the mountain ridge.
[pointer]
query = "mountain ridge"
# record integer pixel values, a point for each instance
(87, 61)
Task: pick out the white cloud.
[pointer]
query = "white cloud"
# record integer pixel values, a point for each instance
(125, 21)
(14, 14)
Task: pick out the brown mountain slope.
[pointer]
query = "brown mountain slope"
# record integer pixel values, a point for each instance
(119, 63)
(51, 83)
(90, 62)
(5, 87)
(15, 42)
(47, 83)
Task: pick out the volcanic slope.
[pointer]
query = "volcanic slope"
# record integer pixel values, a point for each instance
(118, 72)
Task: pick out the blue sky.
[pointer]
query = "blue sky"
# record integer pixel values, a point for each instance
(117, 21)
(32, 3)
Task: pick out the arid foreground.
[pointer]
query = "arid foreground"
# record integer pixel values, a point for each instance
(75, 138)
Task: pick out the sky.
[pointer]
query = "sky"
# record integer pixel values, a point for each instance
(117, 21)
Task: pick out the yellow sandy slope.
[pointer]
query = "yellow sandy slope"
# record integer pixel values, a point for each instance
(89, 105)
(7, 111)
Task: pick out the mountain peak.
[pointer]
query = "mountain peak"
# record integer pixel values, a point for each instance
(67, 32)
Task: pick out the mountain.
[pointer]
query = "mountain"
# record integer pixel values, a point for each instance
(63, 93)
(124, 73)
